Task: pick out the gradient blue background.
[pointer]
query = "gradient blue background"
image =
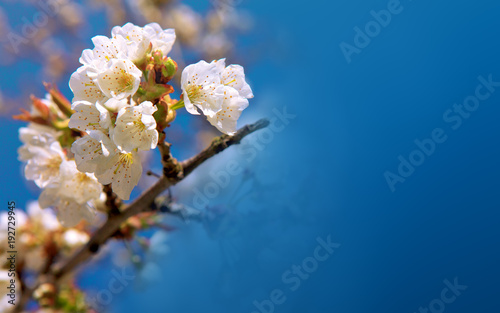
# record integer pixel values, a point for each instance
(353, 121)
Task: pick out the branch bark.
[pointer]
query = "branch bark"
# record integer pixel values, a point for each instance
(174, 172)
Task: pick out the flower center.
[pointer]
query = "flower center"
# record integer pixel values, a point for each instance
(126, 81)
(125, 160)
(194, 92)
(138, 124)
(52, 165)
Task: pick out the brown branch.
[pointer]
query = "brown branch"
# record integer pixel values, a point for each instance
(113, 203)
(174, 172)
(221, 143)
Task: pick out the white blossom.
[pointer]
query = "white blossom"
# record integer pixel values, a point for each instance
(43, 166)
(201, 88)
(91, 150)
(96, 153)
(234, 76)
(136, 40)
(81, 187)
(233, 104)
(89, 116)
(119, 78)
(83, 86)
(136, 127)
(161, 39)
(69, 213)
(71, 195)
(220, 92)
(34, 137)
(122, 170)
(105, 49)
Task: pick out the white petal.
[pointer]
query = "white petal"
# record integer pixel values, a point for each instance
(89, 116)
(124, 172)
(107, 49)
(225, 120)
(70, 213)
(87, 152)
(80, 187)
(234, 76)
(47, 198)
(119, 79)
(87, 57)
(136, 40)
(115, 105)
(201, 83)
(108, 147)
(136, 128)
(162, 40)
(83, 86)
(43, 168)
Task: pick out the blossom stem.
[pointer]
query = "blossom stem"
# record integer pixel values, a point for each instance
(178, 105)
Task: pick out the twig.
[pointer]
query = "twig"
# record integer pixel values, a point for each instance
(221, 143)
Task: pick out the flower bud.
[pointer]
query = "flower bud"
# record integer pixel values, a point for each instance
(59, 99)
(40, 107)
(164, 115)
(168, 69)
(157, 57)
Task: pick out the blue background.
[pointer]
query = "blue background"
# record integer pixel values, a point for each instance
(324, 174)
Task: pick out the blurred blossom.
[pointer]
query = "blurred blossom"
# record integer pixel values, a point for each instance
(158, 244)
(150, 271)
(73, 238)
(71, 14)
(114, 10)
(187, 22)
(226, 17)
(42, 218)
(217, 45)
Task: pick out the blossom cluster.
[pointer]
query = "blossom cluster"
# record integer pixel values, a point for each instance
(121, 105)
(49, 166)
(219, 92)
(117, 125)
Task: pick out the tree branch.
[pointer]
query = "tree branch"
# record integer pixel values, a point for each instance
(143, 203)
(221, 143)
